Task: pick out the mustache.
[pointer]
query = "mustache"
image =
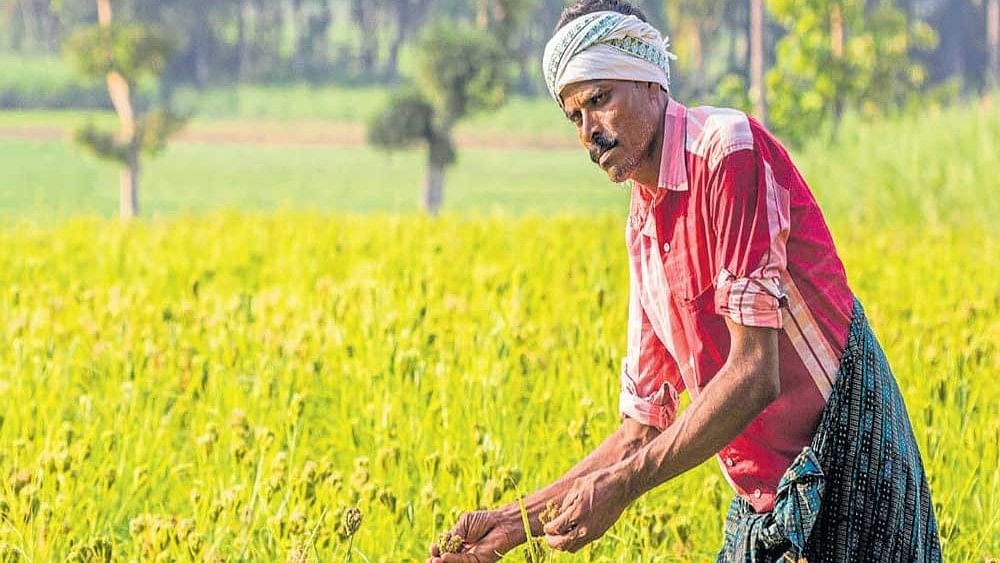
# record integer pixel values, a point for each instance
(600, 146)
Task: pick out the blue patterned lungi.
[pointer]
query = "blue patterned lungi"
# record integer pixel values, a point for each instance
(859, 492)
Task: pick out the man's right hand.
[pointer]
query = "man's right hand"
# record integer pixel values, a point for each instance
(487, 535)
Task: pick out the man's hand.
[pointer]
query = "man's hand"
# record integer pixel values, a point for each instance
(486, 535)
(592, 505)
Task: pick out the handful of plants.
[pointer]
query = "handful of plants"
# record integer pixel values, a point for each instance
(550, 513)
(450, 543)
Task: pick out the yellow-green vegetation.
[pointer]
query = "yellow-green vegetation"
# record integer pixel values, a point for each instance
(229, 387)
(241, 386)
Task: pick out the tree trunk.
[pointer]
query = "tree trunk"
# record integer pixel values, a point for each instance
(301, 38)
(202, 45)
(40, 25)
(30, 22)
(408, 15)
(993, 39)
(433, 188)
(837, 47)
(128, 203)
(483, 15)
(699, 60)
(363, 13)
(52, 29)
(121, 99)
(242, 43)
(656, 14)
(399, 35)
(836, 32)
(757, 93)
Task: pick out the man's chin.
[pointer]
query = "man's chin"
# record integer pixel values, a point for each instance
(619, 174)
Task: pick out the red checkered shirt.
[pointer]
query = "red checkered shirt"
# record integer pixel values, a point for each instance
(733, 231)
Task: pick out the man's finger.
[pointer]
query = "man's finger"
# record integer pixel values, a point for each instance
(568, 502)
(569, 542)
(462, 558)
(474, 526)
(564, 522)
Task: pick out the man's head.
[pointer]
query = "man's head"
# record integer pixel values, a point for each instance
(584, 7)
(608, 69)
(617, 121)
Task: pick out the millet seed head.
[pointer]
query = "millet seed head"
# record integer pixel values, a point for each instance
(450, 543)
(350, 522)
(549, 514)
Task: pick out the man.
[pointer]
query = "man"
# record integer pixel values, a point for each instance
(739, 298)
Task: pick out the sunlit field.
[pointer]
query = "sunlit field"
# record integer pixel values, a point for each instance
(224, 385)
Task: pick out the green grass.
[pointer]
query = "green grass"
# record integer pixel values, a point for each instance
(42, 82)
(937, 169)
(49, 181)
(335, 104)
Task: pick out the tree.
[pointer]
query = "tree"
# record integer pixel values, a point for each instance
(698, 31)
(40, 25)
(459, 72)
(993, 37)
(841, 54)
(365, 14)
(124, 54)
(408, 14)
(757, 93)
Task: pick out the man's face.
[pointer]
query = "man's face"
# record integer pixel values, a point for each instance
(616, 122)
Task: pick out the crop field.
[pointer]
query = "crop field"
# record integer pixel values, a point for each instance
(226, 385)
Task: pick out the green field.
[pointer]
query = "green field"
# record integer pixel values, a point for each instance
(938, 169)
(243, 378)
(221, 381)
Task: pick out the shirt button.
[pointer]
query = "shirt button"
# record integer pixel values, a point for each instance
(756, 493)
(730, 462)
(666, 247)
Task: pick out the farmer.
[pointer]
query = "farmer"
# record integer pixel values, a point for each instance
(737, 296)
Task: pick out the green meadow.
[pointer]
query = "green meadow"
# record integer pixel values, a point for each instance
(936, 169)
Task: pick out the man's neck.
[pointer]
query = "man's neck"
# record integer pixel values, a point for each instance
(648, 173)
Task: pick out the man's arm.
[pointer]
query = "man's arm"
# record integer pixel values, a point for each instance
(623, 443)
(745, 385)
(490, 534)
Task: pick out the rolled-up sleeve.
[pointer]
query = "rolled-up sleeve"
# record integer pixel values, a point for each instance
(650, 380)
(750, 215)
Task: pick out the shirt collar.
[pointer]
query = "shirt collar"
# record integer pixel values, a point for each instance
(673, 165)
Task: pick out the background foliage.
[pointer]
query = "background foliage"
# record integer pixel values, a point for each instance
(893, 50)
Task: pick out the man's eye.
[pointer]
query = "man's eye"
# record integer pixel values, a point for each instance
(596, 100)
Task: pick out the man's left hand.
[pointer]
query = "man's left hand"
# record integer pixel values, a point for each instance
(592, 505)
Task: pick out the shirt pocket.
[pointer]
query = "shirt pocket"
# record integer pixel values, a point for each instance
(684, 269)
(703, 302)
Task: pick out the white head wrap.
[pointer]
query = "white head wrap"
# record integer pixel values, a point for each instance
(607, 46)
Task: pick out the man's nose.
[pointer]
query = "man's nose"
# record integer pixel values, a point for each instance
(590, 129)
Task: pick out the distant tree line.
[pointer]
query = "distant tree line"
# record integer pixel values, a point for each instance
(797, 64)
(364, 41)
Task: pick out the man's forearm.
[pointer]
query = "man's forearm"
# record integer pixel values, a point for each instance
(737, 395)
(628, 439)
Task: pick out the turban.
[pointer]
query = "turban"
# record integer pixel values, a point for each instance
(607, 46)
